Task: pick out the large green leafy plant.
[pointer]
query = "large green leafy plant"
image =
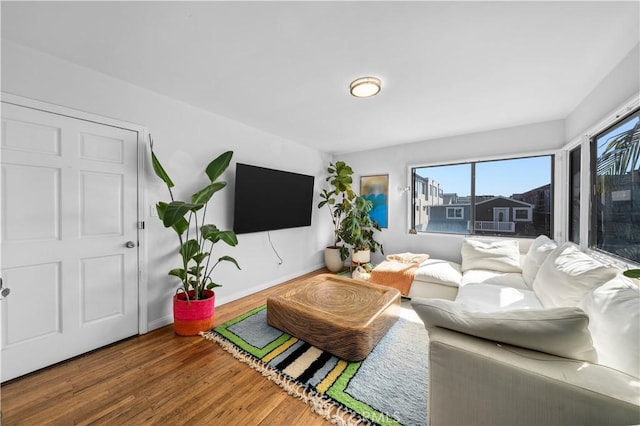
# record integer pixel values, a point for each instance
(338, 198)
(357, 228)
(196, 238)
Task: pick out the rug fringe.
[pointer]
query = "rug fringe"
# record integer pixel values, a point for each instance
(318, 403)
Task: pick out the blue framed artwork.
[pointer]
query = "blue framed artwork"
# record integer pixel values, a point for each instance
(375, 188)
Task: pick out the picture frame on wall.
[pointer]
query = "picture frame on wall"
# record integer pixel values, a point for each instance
(375, 188)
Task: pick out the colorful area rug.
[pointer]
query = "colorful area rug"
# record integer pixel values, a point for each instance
(389, 387)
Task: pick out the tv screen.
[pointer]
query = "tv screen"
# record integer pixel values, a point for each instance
(268, 199)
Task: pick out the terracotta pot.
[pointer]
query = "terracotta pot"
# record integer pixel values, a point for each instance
(193, 316)
(332, 259)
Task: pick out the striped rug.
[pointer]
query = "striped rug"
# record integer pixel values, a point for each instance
(389, 387)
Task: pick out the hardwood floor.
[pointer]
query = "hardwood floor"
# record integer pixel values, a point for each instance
(157, 378)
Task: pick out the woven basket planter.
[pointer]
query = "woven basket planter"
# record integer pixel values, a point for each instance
(193, 316)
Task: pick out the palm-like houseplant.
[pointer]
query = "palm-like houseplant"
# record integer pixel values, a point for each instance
(196, 238)
(337, 200)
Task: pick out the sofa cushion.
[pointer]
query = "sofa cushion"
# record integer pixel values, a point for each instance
(557, 331)
(439, 271)
(483, 297)
(567, 275)
(509, 279)
(503, 256)
(538, 252)
(614, 314)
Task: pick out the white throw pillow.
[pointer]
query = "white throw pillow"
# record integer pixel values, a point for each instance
(538, 252)
(503, 256)
(558, 331)
(439, 271)
(567, 275)
(614, 323)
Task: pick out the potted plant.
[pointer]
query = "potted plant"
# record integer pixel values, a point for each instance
(357, 230)
(194, 302)
(337, 200)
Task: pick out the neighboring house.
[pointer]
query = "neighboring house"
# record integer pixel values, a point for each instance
(449, 218)
(541, 199)
(492, 215)
(501, 214)
(428, 193)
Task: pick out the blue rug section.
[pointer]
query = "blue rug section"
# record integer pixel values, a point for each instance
(397, 369)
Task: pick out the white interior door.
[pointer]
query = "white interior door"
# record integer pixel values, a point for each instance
(69, 237)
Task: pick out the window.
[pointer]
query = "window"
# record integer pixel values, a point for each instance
(503, 197)
(455, 213)
(615, 205)
(521, 214)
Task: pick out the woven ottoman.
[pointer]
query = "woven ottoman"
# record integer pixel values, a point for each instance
(342, 316)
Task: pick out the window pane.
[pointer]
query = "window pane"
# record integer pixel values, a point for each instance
(574, 195)
(443, 194)
(513, 197)
(616, 203)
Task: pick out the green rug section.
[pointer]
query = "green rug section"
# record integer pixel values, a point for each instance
(389, 387)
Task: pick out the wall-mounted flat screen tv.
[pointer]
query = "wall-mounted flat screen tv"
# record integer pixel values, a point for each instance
(268, 199)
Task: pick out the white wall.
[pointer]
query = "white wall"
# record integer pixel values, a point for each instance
(617, 87)
(396, 161)
(186, 139)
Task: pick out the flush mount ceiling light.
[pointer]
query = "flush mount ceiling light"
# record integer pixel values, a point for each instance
(365, 86)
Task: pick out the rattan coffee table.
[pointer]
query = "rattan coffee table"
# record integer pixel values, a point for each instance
(342, 316)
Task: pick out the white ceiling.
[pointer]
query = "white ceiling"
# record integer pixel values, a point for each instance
(284, 67)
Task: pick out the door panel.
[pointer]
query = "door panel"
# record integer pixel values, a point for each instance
(69, 205)
(37, 191)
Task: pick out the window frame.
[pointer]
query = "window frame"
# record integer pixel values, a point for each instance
(455, 209)
(592, 149)
(554, 214)
(529, 211)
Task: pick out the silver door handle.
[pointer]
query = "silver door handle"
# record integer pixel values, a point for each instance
(130, 244)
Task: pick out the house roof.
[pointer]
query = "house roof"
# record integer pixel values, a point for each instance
(510, 200)
(447, 67)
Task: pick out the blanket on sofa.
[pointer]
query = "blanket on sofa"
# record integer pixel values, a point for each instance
(398, 271)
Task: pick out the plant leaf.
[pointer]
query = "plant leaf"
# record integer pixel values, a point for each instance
(229, 259)
(178, 272)
(229, 237)
(189, 249)
(180, 226)
(219, 165)
(213, 285)
(159, 170)
(200, 257)
(204, 195)
(196, 270)
(175, 211)
(210, 233)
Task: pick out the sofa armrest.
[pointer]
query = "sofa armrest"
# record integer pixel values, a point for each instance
(480, 382)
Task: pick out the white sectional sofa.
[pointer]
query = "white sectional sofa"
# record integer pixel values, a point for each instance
(545, 336)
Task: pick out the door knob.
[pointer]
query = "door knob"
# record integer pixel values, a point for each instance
(4, 292)
(130, 244)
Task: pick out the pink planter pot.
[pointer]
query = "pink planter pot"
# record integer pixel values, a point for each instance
(193, 316)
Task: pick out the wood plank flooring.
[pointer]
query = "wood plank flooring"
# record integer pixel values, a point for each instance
(157, 378)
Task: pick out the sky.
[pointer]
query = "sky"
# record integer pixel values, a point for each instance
(504, 177)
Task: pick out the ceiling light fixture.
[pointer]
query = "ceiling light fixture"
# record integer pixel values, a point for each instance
(365, 86)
